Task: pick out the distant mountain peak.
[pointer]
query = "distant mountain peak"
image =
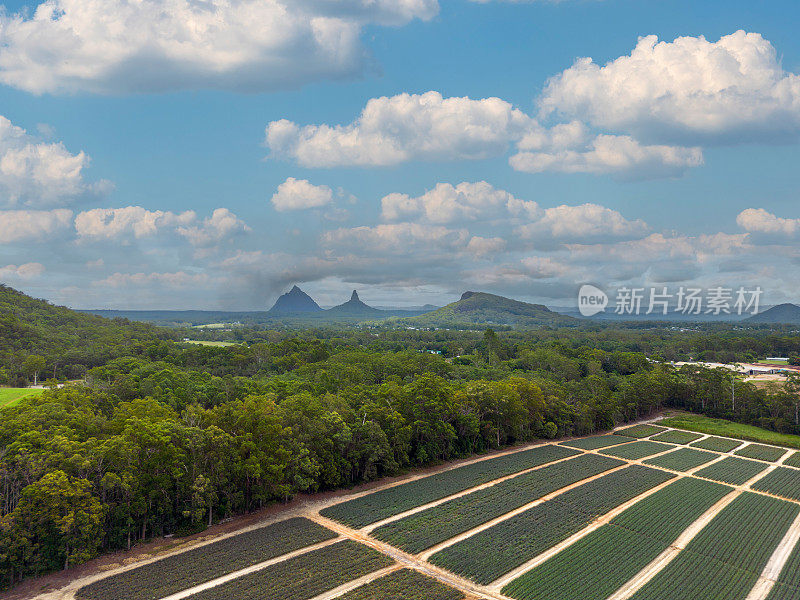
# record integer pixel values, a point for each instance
(354, 307)
(781, 313)
(466, 295)
(295, 301)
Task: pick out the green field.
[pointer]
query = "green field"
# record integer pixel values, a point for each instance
(395, 500)
(598, 441)
(724, 561)
(187, 569)
(640, 431)
(491, 553)
(781, 482)
(209, 343)
(682, 459)
(732, 470)
(10, 396)
(759, 452)
(597, 565)
(677, 437)
(422, 530)
(730, 429)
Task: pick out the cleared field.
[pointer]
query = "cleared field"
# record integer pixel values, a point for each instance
(599, 564)
(491, 553)
(793, 460)
(640, 431)
(732, 470)
(598, 441)
(11, 396)
(395, 500)
(677, 437)
(404, 585)
(187, 569)
(422, 530)
(636, 450)
(209, 343)
(725, 559)
(683, 459)
(304, 576)
(759, 452)
(730, 429)
(780, 482)
(717, 444)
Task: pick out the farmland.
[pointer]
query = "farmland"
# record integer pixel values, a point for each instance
(717, 444)
(404, 585)
(636, 450)
(572, 520)
(422, 530)
(725, 559)
(759, 452)
(304, 576)
(600, 563)
(597, 441)
(395, 500)
(781, 482)
(793, 460)
(682, 459)
(677, 437)
(732, 470)
(489, 554)
(640, 431)
(184, 570)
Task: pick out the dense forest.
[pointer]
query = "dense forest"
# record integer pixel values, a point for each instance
(161, 437)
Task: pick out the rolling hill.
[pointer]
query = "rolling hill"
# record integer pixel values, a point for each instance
(481, 308)
(781, 313)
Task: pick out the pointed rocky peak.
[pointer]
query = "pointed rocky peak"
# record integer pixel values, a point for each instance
(354, 297)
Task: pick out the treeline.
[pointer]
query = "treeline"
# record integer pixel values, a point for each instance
(172, 439)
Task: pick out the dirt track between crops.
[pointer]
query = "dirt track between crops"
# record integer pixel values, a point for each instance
(64, 586)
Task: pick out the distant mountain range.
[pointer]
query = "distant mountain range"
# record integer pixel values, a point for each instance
(781, 313)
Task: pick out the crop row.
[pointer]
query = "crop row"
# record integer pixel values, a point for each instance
(636, 450)
(404, 585)
(677, 437)
(793, 460)
(732, 470)
(717, 444)
(597, 441)
(780, 482)
(597, 565)
(724, 560)
(304, 576)
(759, 452)
(427, 528)
(395, 500)
(682, 459)
(489, 554)
(187, 569)
(640, 431)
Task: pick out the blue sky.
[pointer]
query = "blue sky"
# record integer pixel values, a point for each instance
(135, 169)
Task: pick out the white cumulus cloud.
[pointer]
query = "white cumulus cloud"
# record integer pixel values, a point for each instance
(40, 174)
(621, 156)
(135, 221)
(688, 91)
(21, 272)
(584, 223)
(760, 221)
(19, 225)
(397, 129)
(125, 46)
(298, 194)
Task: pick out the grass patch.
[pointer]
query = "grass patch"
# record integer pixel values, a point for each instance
(725, 428)
(11, 396)
(208, 343)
